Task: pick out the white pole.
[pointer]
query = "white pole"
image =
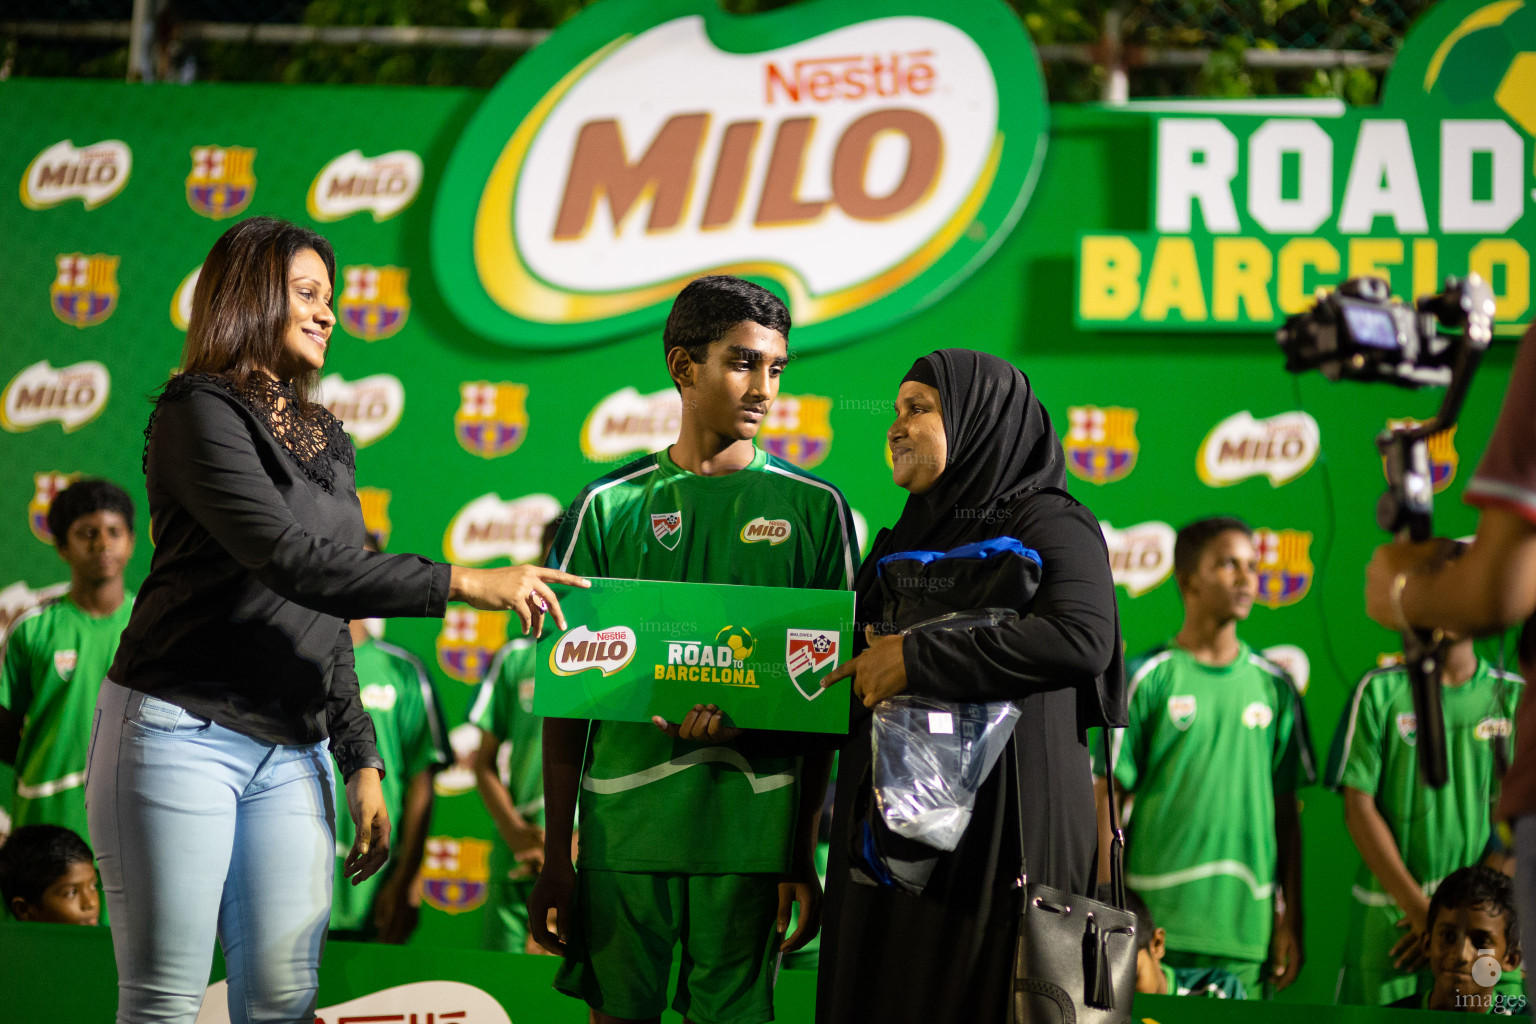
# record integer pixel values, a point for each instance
(138, 33)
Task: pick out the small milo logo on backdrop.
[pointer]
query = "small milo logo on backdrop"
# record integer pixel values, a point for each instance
(861, 156)
(1285, 566)
(73, 395)
(93, 174)
(1101, 445)
(490, 527)
(1443, 459)
(45, 487)
(627, 422)
(222, 181)
(374, 302)
(181, 301)
(84, 289)
(351, 183)
(1281, 448)
(1140, 556)
(369, 408)
(492, 420)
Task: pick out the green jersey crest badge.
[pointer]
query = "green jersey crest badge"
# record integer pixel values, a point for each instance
(1408, 727)
(1181, 711)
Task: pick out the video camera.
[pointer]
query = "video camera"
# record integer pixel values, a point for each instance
(1360, 333)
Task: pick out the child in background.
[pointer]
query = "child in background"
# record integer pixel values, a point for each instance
(1156, 978)
(407, 719)
(47, 873)
(57, 654)
(1409, 835)
(1473, 938)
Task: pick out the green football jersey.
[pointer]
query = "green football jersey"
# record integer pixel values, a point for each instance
(1437, 830)
(650, 803)
(408, 720)
(56, 656)
(504, 708)
(1206, 750)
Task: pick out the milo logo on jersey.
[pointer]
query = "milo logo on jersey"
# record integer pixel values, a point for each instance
(369, 408)
(626, 422)
(222, 181)
(93, 174)
(1441, 448)
(1285, 567)
(717, 661)
(1281, 448)
(863, 160)
(375, 503)
(1140, 556)
(84, 289)
(73, 395)
(490, 527)
(1101, 445)
(468, 641)
(45, 487)
(798, 429)
(607, 650)
(492, 419)
(352, 183)
(774, 531)
(454, 873)
(374, 302)
(181, 301)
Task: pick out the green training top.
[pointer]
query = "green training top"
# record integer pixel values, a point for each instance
(400, 698)
(1375, 751)
(504, 708)
(650, 803)
(56, 656)
(1205, 753)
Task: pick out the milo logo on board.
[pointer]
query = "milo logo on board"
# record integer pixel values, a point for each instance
(859, 157)
(607, 650)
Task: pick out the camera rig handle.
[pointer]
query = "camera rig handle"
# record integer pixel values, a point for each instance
(1407, 507)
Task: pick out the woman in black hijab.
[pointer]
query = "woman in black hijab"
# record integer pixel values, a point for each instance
(975, 448)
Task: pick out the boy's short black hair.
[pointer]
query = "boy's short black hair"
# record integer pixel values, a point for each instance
(1145, 925)
(1191, 542)
(83, 497)
(1480, 886)
(710, 306)
(34, 858)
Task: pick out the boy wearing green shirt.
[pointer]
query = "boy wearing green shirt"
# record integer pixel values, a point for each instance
(57, 654)
(1216, 748)
(702, 843)
(1411, 837)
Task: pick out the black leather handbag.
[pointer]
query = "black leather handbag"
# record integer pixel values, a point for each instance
(1075, 960)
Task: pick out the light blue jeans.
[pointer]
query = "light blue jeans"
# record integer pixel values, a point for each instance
(201, 831)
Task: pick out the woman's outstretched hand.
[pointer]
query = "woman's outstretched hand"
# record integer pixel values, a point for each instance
(370, 847)
(522, 588)
(878, 673)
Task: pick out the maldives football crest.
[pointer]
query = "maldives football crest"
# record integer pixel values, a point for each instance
(454, 874)
(1101, 445)
(468, 641)
(374, 302)
(808, 654)
(46, 487)
(1285, 567)
(84, 290)
(222, 181)
(668, 528)
(798, 429)
(492, 419)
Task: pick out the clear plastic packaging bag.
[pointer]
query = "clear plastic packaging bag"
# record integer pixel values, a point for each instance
(930, 758)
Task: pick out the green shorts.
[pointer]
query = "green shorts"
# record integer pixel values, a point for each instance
(1249, 972)
(627, 926)
(506, 917)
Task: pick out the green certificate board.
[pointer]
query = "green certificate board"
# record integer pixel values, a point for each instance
(637, 648)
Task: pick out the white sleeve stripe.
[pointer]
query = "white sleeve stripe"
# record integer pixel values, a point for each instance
(1501, 490)
(1141, 673)
(843, 515)
(565, 560)
(435, 724)
(1349, 731)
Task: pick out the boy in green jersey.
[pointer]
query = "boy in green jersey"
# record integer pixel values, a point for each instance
(1216, 747)
(687, 832)
(1158, 979)
(1410, 836)
(1472, 941)
(413, 743)
(57, 654)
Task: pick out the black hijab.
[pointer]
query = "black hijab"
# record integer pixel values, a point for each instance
(1001, 445)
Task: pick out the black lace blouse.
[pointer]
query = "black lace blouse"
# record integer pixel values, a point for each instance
(258, 562)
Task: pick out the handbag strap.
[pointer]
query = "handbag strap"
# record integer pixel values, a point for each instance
(1117, 835)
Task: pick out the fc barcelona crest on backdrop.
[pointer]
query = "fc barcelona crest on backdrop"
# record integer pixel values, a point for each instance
(798, 429)
(1101, 445)
(454, 874)
(668, 528)
(1285, 567)
(493, 417)
(809, 654)
(84, 289)
(222, 181)
(468, 641)
(374, 301)
(1442, 453)
(46, 487)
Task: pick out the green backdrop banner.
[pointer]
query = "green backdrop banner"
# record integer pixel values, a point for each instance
(466, 446)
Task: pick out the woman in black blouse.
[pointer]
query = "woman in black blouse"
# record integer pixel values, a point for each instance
(976, 450)
(209, 789)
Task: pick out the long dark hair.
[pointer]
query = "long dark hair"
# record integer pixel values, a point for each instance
(240, 304)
